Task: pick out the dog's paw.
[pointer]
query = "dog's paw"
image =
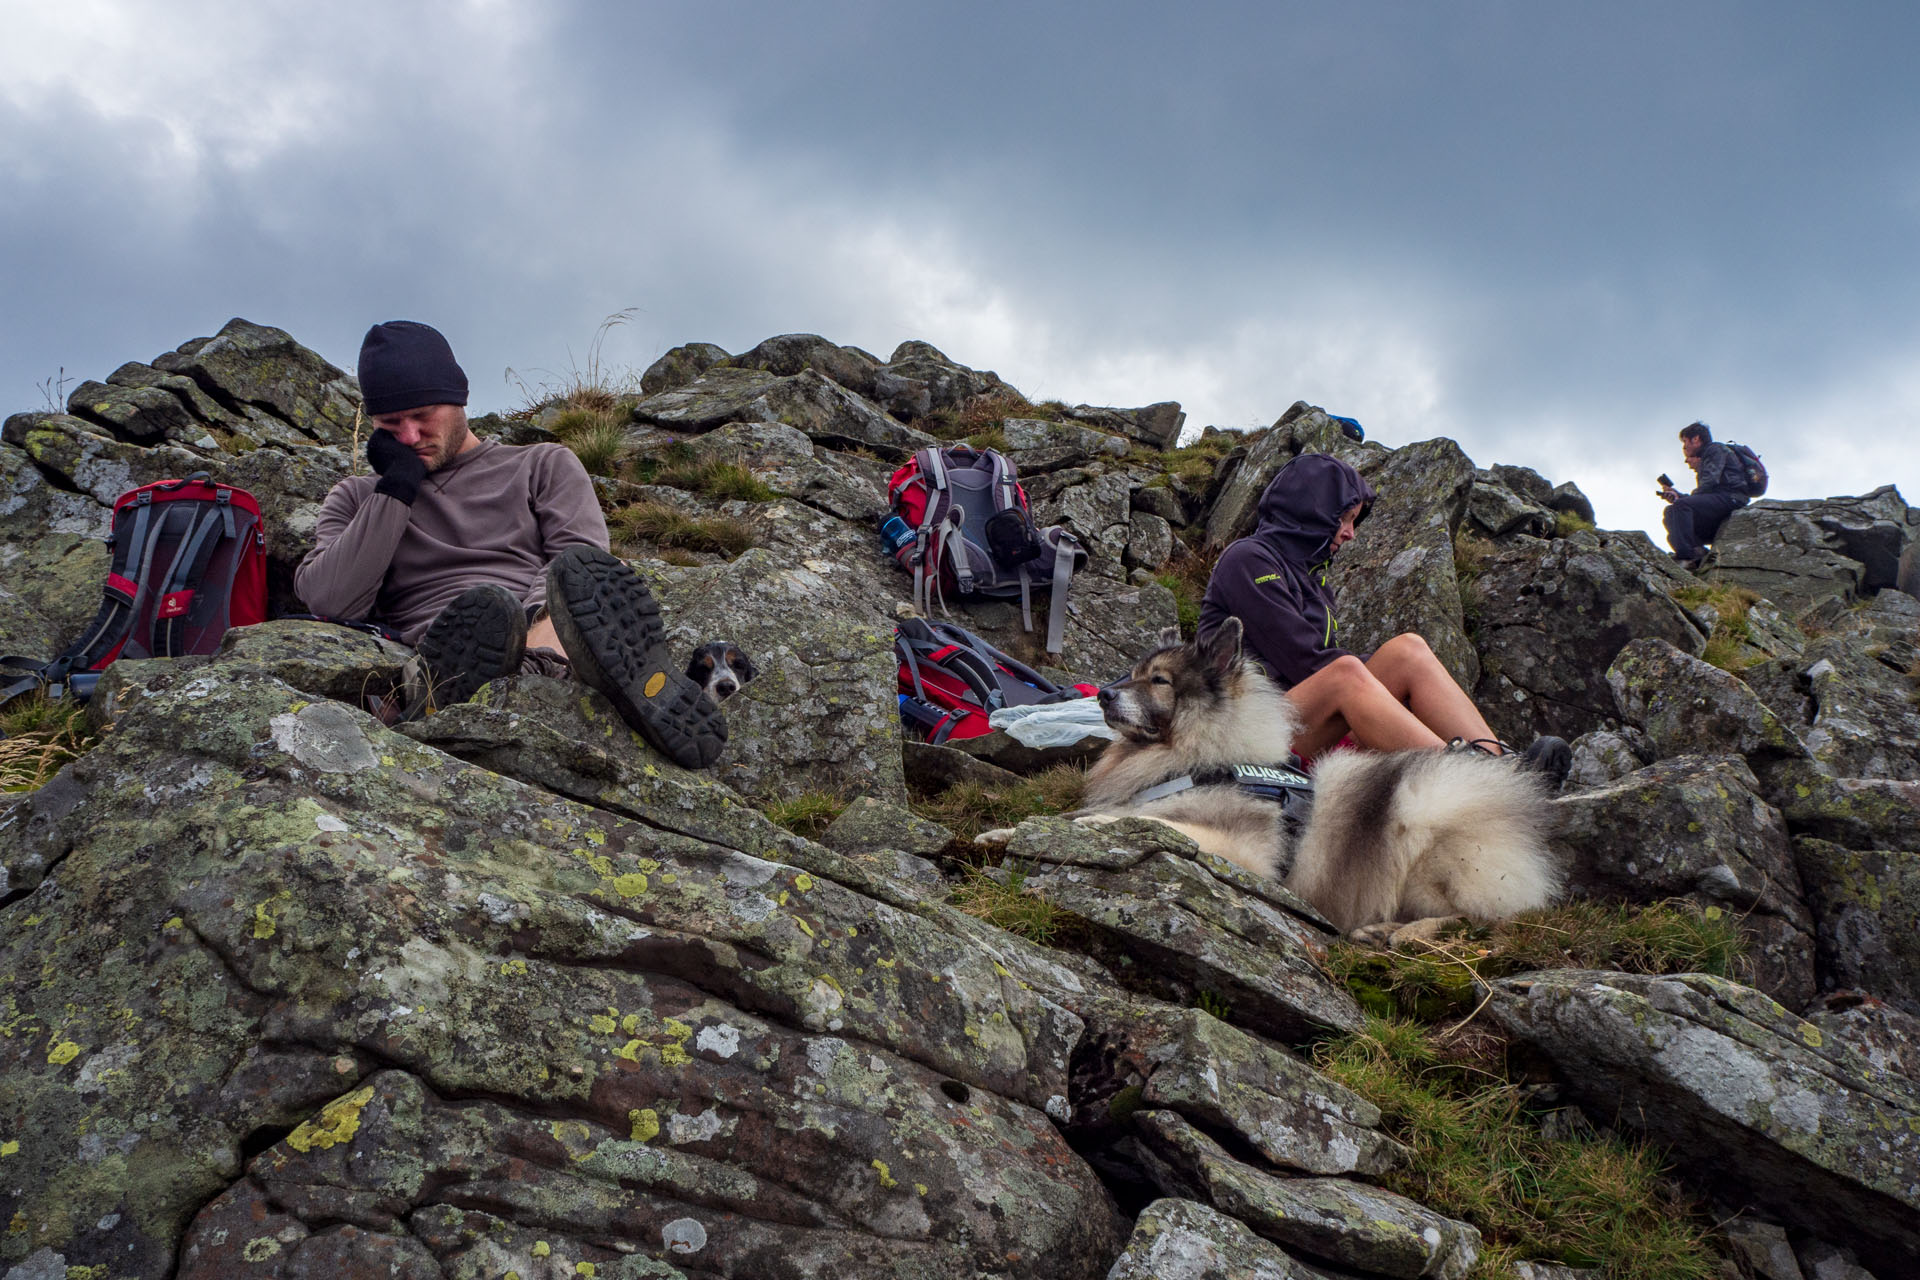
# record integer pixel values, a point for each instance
(1096, 819)
(1403, 935)
(997, 836)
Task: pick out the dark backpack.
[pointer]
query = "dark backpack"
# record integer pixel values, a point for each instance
(189, 561)
(951, 681)
(974, 535)
(1756, 470)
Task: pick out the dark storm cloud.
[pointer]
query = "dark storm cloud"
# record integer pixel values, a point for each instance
(1554, 234)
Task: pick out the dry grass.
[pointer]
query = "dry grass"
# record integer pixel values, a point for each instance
(983, 416)
(968, 808)
(39, 737)
(663, 526)
(1193, 464)
(592, 387)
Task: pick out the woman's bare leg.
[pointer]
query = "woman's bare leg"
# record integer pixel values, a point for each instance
(1345, 697)
(1415, 678)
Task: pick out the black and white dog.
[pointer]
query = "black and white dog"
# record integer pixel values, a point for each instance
(720, 668)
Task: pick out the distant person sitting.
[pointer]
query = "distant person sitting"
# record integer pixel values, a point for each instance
(1720, 489)
(490, 559)
(1275, 582)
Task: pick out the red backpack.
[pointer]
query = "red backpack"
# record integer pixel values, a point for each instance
(951, 681)
(189, 561)
(974, 535)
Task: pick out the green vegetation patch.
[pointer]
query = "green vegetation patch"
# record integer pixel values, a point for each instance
(1568, 523)
(668, 527)
(1193, 464)
(678, 466)
(983, 417)
(968, 808)
(1480, 1154)
(1187, 575)
(1003, 900)
(1728, 641)
(39, 737)
(808, 814)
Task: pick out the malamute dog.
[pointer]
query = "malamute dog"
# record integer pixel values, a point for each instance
(1395, 836)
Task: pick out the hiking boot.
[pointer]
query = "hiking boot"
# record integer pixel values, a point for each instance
(610, 626)
(477, 638)
(1550, 757)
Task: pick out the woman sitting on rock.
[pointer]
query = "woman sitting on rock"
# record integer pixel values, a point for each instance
(1275, 581)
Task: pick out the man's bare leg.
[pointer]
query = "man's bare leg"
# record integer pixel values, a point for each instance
(1345, 697)
(1416, 679)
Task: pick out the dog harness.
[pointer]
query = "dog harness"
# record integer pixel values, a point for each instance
(1282, 784)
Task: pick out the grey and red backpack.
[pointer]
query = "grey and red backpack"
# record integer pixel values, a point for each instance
(189, 561)
(974, 536)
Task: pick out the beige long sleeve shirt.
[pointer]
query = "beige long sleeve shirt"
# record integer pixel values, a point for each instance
(497, 513)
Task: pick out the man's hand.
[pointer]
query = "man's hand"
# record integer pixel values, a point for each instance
(401, 470)
(1668, 494)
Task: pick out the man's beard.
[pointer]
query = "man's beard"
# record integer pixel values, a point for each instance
(450, 448)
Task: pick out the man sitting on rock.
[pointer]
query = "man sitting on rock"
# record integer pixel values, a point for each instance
(490, 559)
(1275, 582)
(1720, 489)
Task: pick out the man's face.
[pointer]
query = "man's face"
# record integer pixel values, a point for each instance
(1691, 446)
(437, 432)
(1344, 534)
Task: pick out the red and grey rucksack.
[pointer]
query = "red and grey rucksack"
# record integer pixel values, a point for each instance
(189, 561)
(974, 535)
(1756, 469)
(951, 681)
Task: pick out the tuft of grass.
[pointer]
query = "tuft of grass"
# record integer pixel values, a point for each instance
(1727, 644)
(808, 814)
(39, 737)
(1193, 464)
(991, 438)
(665, 526)
(679, 467)
(1470, 554)
(591, 387)
(1212, 1002)
(968, 808)
(1567, 523)
(1479, 1153)
(1438, 982)
(600, 448)
(1187, 575)
(984, 415)
(1005, 902)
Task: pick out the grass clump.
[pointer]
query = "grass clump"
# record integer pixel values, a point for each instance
(808, 814)
(1003, 901)
(592, 388)
(679, 467)
(1187, 575)
(968, 808)
(1193, 464)
(1438, 982)
(668, 527)
(983, 416)
(39, 736)
(1727, 646)
(1479, 1153)
(1568, 523)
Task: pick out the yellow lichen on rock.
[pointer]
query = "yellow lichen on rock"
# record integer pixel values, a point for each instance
(646, 1124)
(337, 1122)
(886, 1175)
(64, 1052)
(631, 885)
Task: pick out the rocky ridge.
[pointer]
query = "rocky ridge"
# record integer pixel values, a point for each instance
(503, 992)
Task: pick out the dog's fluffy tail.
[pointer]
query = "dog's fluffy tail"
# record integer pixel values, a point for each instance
(1413, 834)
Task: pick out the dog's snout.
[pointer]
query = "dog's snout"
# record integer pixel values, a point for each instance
(1106, 696)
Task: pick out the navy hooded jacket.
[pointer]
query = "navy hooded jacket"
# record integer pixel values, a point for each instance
(1275, 581)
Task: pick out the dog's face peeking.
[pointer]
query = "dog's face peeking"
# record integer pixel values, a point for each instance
(720, 668)
(1143, 704)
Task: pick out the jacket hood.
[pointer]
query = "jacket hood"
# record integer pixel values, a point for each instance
(1300, 511)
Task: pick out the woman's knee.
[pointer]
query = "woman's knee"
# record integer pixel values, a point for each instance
(1347, 673)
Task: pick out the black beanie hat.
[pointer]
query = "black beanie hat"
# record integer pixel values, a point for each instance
(405, 364)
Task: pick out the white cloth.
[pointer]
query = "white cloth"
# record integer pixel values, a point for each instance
(1053, 724)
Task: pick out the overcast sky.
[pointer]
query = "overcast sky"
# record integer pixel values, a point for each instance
(1554, 233)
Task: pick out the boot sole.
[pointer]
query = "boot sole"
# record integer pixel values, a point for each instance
(609, 624)
(479, 637)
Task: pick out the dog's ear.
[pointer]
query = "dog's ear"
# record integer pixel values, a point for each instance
(1221, 649)
(1170, 638)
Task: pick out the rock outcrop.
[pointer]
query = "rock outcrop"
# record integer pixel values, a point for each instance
(503, 991)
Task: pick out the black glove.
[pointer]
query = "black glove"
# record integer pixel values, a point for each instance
(400, 468)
